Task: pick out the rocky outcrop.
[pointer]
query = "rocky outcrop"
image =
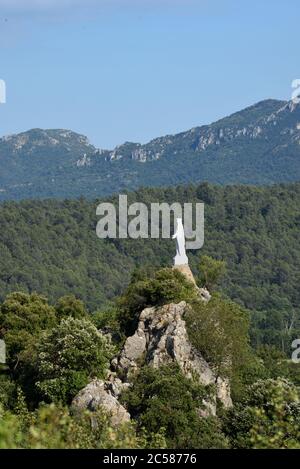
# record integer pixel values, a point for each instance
(161, 338)
(97, 395)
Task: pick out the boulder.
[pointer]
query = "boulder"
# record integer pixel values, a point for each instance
(96, 395)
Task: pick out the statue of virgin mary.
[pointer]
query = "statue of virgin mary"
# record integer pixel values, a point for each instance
(181, 257)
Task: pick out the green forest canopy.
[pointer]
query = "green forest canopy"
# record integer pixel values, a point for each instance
(51, 247)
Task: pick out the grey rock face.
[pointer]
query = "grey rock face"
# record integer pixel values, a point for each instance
(204, 294)
(96, 395)
(161, 338)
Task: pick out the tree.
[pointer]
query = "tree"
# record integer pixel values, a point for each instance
(165, 286)
(53, 427)
(267, 417)
(164, 399)
(219, 331)
(10, 432)
(70, 306)
(68, 356)
(211, 271)
(22, 318)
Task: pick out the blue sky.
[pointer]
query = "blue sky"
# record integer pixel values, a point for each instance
(132, 70)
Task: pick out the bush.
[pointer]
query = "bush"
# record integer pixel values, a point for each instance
(211, 271)
(22, 318)
(166, 286)
(53, 427)
(219, 331)
(10, 431)
(7, 391)
(108, 321)
(164, 399)
(268, 417)
(70, 306)
(68, 356)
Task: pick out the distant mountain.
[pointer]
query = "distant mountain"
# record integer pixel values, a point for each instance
(258, 145)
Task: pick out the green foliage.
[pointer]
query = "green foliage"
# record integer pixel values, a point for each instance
(164, 398)
(165, 286)
(277, 365)
(7, 391)
(53, 351)
(22, 318)
(268, 417)
(53, 427)
(10, 434)
(51, 247)
(108, 321)
(276, 328)
(219, 331)
(70, 306)
(211, 270)
(50, 357)
(68, 356)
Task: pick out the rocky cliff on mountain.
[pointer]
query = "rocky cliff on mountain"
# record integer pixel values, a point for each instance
(258, 145)
(161, 338)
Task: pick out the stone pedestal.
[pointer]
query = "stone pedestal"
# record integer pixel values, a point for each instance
(181, 259)
(186, 271)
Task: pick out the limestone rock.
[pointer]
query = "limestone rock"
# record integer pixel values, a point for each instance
(204, 294)
(161, 338)
(115, 385)
(96, 395)
(223, 392)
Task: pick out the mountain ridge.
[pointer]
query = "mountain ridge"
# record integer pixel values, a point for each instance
(257, 145)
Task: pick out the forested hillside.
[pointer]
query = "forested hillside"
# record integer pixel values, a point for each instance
(257, 145)
(51, 247)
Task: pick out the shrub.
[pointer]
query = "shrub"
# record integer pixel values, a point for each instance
(164, 399)
(166, 286)
(219, 331)
(70, 306)
(211, 271)
(268, 416)
(10, 431)
(22, 318)
(68, 356)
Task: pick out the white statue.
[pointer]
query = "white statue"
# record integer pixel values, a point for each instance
(181, 257)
